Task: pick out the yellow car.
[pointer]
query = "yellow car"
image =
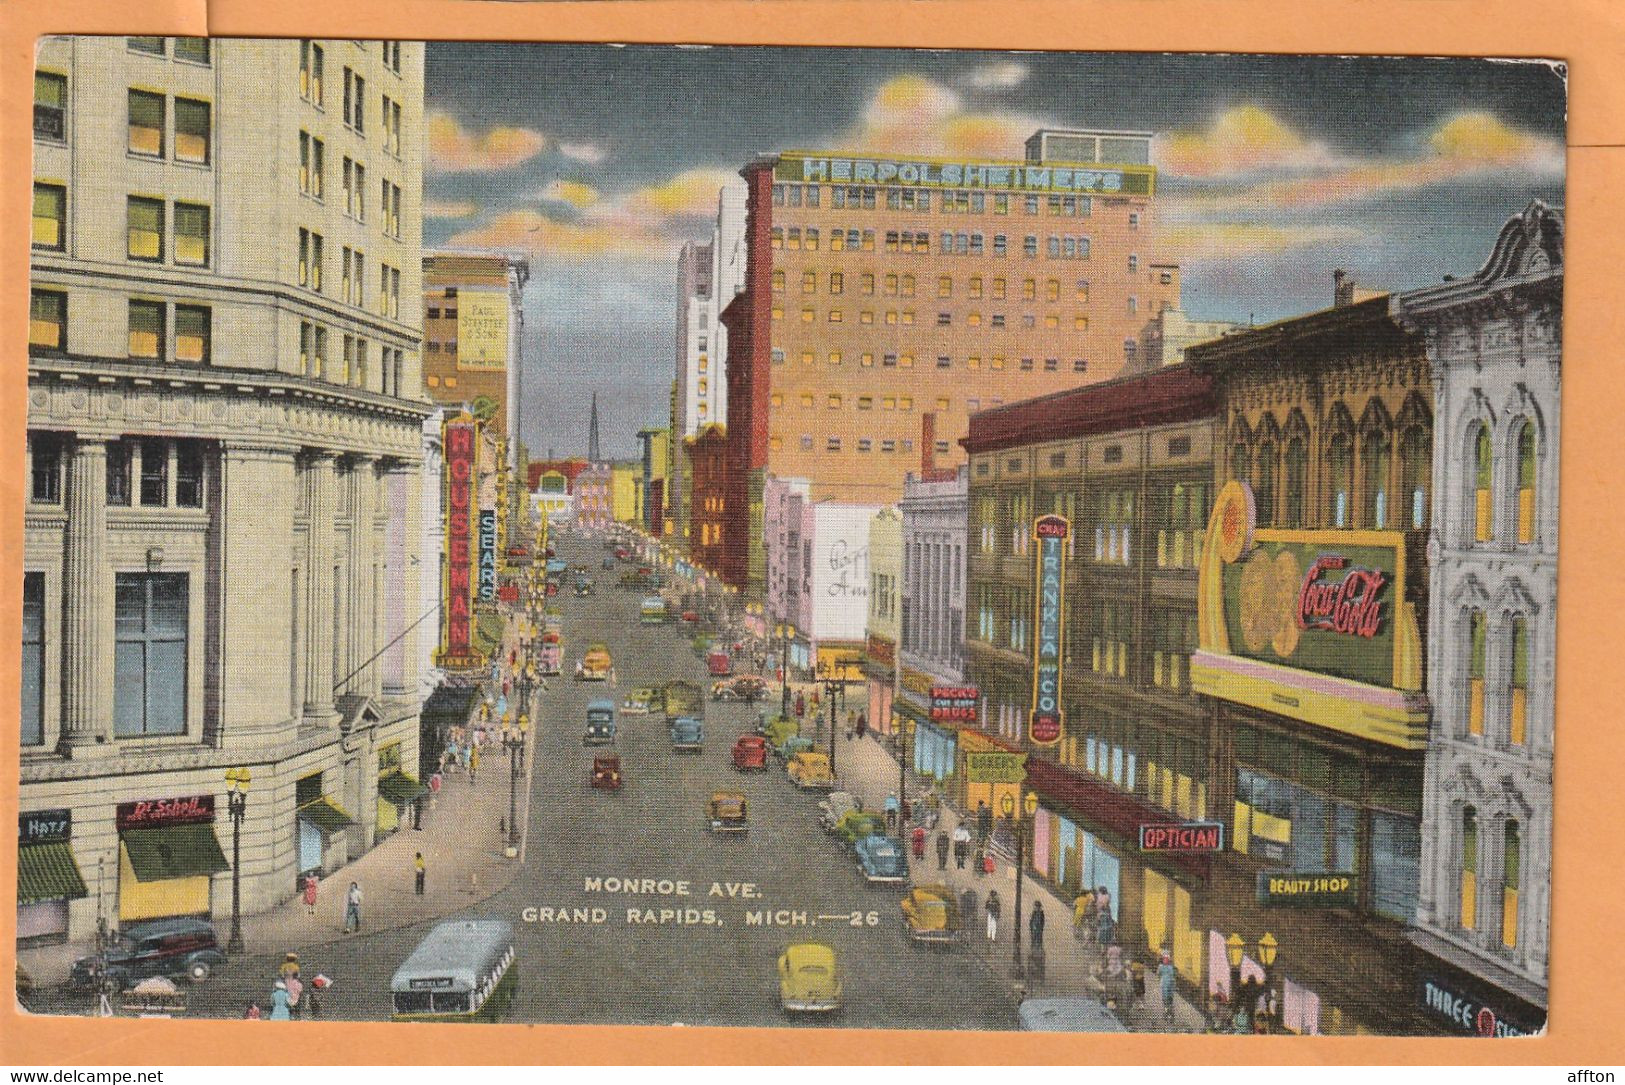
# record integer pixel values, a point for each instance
(809, 981)
(727, 812)
(810, 771)
(932, 914)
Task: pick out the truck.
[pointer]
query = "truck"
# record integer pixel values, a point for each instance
(550, 654)
(600, 722)
(718, 662)
(683, 699)
(595, 664)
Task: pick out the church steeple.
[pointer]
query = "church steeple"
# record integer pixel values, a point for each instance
(592, 431)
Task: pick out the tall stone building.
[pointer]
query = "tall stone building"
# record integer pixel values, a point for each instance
(1495, 343)
(224, 444)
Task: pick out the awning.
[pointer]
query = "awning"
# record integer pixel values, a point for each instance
(174, 851)
(398, 789)
(48, 872)
(326, 815)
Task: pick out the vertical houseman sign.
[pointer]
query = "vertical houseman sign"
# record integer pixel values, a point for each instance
(1049, 535)
(456, 642)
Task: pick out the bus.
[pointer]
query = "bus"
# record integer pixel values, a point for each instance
(652, 611)
(463, 970)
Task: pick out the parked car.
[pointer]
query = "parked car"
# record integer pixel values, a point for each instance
(728, 812)
(162, 947)
(834, 807)
(745, 687)
(643, 701)
(809, 979)
(931, 914)
(810, 771)
(881, 858)
(750, 753)
(791, 745)
(854, 825)
(606, 772)
(1067, 1015)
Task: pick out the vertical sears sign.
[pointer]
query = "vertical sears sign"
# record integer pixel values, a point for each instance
(456, 641)
(1049, 535)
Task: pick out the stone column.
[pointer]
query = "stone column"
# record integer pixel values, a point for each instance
(87, 628)
(255, 514)
(403, 581)
(360, 625)
(320, 494)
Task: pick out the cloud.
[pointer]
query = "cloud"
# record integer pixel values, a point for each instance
(1000, 74)
(1481, 139)
(454, 149)
(591, 153)
(575, 193)
(1225, 240)
(531, 231)
(911, 114)
(1240, 142)
(449, 209)
(692, 194)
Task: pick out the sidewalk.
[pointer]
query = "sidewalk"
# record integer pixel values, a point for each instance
(868, 771)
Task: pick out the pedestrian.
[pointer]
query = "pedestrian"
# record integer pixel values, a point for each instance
(420, 871)
(863, 724)
(318, 985)
(1166, 976)
(801, 705)
(1105, 927)
(279, 1002)
(296, 987)
(967, 905)
(253, 1012)
(906, 811)
(919, 841)
(961, 845)
(942, 851)
(891, 812)
(992, 908)
(289, 966)
(982, 863)
(1083, 916)
(1112, 979)
(851, 722)
(984, 819)
(473, 763)
(352, 909)
(1035, 927)
(310, 894)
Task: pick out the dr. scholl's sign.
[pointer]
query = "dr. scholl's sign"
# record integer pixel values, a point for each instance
(153, 813)
(1302, 889)
(45, 827)
(1466, 1015)
(1203, 836)
(459, 468)
(488, 555)
(955, 704)
(1049, 533)
(987, 176)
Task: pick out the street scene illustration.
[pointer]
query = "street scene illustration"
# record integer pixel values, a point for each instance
(790, 537)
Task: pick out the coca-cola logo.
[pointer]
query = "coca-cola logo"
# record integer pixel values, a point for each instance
(1352, 605)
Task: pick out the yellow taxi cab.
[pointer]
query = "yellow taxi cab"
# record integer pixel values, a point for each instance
(727, 812)
(811, 771)
(809, 981)
(932, 914)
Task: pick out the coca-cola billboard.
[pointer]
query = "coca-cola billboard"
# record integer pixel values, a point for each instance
(154, 813)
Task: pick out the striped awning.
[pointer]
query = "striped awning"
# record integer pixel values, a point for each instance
(48, 872)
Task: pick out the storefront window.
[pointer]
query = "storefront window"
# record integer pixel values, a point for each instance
(1114, 515)
(1475, 673)
(1526, 483)
(1511, 857)
(1483, 505)
(1518, 703)
(1375, 455)
(1469, 868)
(1340, 472)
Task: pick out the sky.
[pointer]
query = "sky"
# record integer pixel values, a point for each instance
(597, 162)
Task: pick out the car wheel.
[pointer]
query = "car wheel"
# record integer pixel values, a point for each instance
(198, 971)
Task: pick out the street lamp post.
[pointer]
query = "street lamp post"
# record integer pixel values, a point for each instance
(1248, 992)
(513, 739)
(1030, 807)
(830, 687)
(786, 631)
(237, 780)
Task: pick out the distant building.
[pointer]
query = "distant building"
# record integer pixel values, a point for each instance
(884, 627)
(473, 337)
(1164, 338)
(654, 480)
(931, 652)
(594, 492)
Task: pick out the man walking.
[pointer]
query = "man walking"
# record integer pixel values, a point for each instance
(1035, 927)
(961, 845)
(352, 909)
(473, 764)
(993, 907)
(942, 851)
(891, 812)
(984, 819)
(421, 870)
(1166, 976)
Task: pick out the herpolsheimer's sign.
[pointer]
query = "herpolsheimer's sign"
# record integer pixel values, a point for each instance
(986, 176)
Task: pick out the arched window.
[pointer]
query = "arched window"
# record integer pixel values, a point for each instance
(1297, 479)
(1469, 869)
(1264, 491)
(1340, 476)
(1518, 720)
(1511, 860)
(1526, 482)
(1376, 454)
(1241, 461)
(1415, 469)
(1475, 673)
(1483, 472)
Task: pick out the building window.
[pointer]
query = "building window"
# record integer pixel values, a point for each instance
(189, 474)
(1171, 655)
(311, 70)
(833, 444)
(1340, 471)
(146, 128)
(146, 229)
(47, 319)
(1114, 517)
(1375, 456)
(1415, 465)
(191, 234)
(312, 169)
(150, 45)
(50, 217)
(1478, 639)
(355, 99)
(1518, 702)
(118, 473)
(1264, 492)
(310, 259)
(33, 677)
(391, 114)
(1483, 473)
(1511, 865)
(1469, 869)
(192, 131)
(45, 476)
(154, 473)
(1297, 479)
(50, 105)
(149, 654)
(192, 50)
(1109, 645)
(1526, 483)
(146, 336)
(1179, 545)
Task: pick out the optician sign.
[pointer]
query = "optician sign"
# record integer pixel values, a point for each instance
(1307, 889)
(1204, 836)
(988, 176)
(1467, 1015)
(1049, 533)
